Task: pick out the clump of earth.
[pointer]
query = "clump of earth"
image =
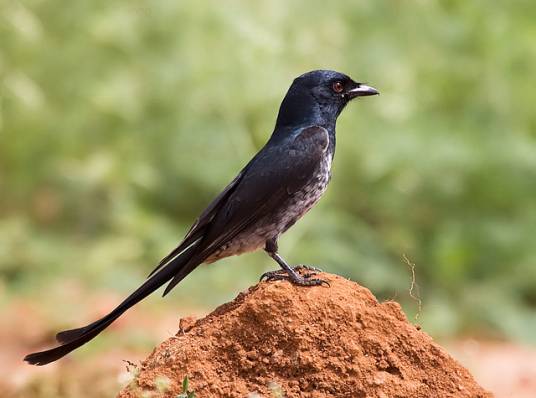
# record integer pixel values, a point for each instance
(281, 340)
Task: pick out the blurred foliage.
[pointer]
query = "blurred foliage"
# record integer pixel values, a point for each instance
(119, 121)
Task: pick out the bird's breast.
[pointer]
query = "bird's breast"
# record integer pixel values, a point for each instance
(282, 218)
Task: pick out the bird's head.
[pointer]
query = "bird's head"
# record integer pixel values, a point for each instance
(320, 96)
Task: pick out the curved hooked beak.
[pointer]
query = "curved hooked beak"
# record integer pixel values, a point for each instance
(361, 90)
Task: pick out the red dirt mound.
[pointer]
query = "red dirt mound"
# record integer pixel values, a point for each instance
(281, 340)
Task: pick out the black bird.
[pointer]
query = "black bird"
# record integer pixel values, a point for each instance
(278, 186)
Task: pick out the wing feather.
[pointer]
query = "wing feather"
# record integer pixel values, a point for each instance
(274, 175)
(198, 229)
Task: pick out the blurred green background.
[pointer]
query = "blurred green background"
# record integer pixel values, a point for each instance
(121, 120)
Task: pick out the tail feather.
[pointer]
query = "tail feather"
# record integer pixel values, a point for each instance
(74, 338)
(44, 357)
(178, 251)
(69, 335)
(179, 277)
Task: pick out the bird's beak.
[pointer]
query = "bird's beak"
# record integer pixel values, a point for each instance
(362, 90)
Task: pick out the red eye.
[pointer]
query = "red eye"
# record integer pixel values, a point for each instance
(338, 87)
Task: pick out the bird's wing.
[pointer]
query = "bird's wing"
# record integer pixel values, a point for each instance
(198, 229)
(272, 177)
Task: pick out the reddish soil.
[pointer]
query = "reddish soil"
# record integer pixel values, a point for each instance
(281, 340)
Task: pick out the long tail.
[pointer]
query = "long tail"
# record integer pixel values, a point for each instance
(175, 269)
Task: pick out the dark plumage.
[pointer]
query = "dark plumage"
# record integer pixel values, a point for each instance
(280, 184)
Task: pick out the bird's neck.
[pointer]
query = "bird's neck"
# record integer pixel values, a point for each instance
(298, 109)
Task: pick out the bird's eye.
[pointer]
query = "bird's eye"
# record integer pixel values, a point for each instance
(338, 87)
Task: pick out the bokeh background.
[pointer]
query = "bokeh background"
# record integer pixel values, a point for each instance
(120, 120)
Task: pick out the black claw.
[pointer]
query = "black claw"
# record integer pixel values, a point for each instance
(325, 282)
(273, 276)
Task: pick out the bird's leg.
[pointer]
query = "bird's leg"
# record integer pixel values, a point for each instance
(287, 272)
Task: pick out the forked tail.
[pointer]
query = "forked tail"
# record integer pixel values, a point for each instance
(175, 269)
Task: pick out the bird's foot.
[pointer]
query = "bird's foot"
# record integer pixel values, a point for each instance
(308, 268)
(294, 277)
(281, 274)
